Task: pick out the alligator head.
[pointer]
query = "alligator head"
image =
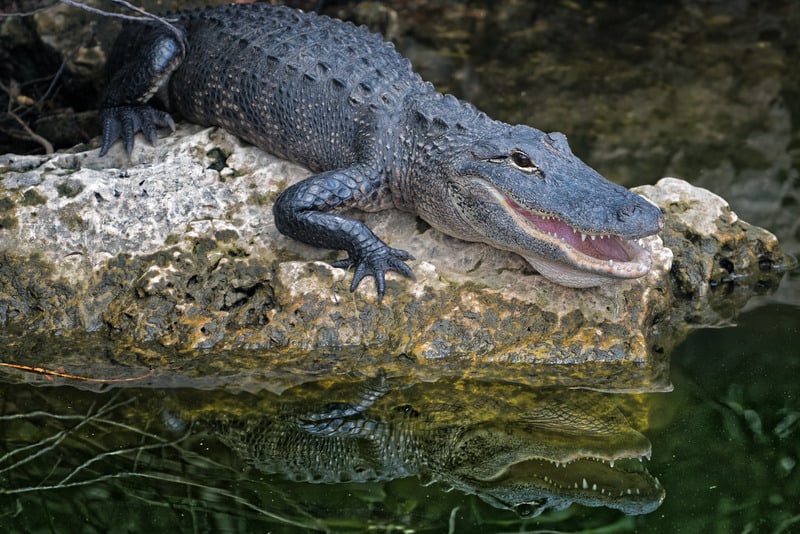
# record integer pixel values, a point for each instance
(523, 190)
(550, 460)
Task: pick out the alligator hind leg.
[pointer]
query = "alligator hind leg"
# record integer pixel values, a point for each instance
(141, 62)
(301, 212)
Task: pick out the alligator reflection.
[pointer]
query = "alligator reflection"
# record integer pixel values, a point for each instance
(516, 448)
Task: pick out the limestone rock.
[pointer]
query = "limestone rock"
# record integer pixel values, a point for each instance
(177, 248)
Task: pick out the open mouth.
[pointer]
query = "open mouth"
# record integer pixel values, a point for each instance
(597, 253)
(628, 486)
(623, 484)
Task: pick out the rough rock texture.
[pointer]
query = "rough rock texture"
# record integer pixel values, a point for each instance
(177, 248)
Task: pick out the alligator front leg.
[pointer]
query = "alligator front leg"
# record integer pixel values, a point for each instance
(302, 212)
(346, 418)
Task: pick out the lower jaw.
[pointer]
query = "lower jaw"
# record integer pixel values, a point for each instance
(572, 277)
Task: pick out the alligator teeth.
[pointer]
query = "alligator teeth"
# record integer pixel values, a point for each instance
(585, 484)
(611, 464)
(594, 237)
(610, 263)
(583, 236)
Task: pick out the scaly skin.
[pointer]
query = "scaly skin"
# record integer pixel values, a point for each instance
(560, 449)
(344, 103)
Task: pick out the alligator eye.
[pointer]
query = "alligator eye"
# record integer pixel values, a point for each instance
(524, 510)
(530, 509)
(521, 160)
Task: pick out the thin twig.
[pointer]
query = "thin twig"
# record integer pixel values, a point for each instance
(27, 13)
(178, 33)
(161, 478)
(59, 436)
(47, 145)
(49, 372)
(119, 452)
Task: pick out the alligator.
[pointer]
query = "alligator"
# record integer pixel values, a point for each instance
(543, 450)
(343, 102)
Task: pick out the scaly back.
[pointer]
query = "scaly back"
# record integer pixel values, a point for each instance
(301, 86)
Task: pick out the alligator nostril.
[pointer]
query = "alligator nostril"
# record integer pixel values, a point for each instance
(627, 212)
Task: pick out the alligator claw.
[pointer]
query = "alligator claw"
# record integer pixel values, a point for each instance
(376, 264)
(123, 122)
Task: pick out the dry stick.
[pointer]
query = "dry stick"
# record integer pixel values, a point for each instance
(52, 442)
(56, 76)
(96, 417)
(29, 134)
(96, 11)
(47, 145)
(118, 452)
(178, 34)
(158, 477)
(27, 13)
(53, 80)
(48, 372)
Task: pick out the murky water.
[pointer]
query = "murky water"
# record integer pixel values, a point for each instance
(370, 453)
(708, 91)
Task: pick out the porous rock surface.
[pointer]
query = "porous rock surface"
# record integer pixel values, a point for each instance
(177, 247)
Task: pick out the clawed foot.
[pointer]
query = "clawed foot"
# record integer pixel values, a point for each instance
(376, 264)
(124, 122)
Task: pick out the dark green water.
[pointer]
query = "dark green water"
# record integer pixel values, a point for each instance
(725, 446)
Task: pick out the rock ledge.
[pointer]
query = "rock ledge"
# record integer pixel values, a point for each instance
(178, 248)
